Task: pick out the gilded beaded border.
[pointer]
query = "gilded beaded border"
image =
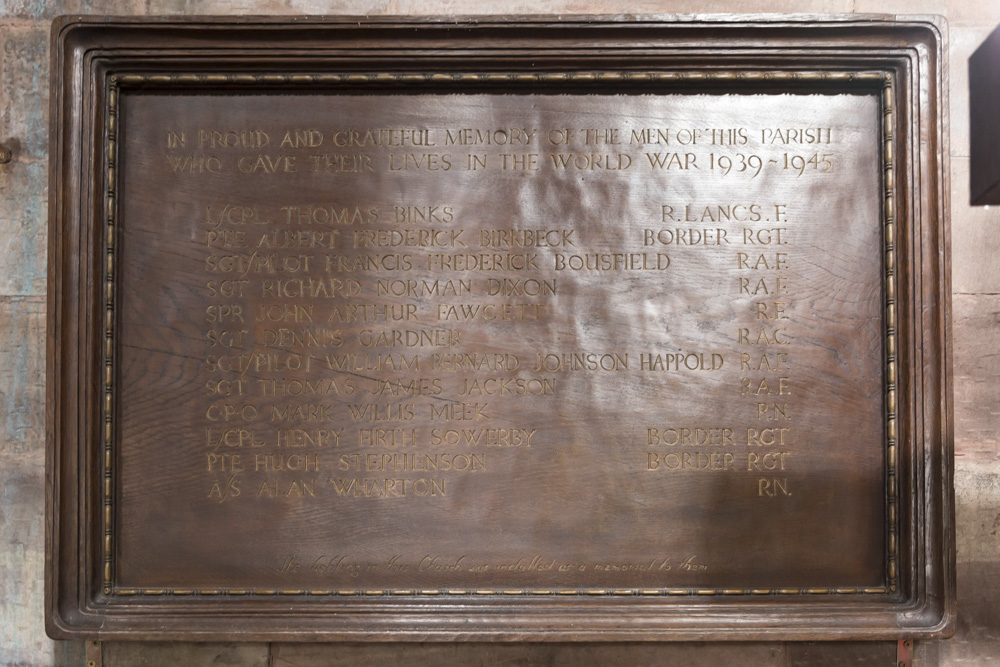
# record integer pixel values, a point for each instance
(115, 82)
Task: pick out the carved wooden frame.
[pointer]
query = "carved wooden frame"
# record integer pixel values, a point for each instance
(97, 60)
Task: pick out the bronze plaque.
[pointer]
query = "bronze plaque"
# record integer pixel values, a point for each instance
(429, 331)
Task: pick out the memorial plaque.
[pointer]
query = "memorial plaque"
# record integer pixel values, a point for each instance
(521, 330)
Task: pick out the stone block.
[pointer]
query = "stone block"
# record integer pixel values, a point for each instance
(23, 228)
(976, 324)
(476, 7)
(22, 557)
(975, 238)
(270, 7)
(22, 488)
(977, 510)
(22, 382)
(959, 12)
(24, 91)
(459, 7)
(49, 9)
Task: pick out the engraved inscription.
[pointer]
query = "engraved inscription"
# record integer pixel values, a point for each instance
(504, 341)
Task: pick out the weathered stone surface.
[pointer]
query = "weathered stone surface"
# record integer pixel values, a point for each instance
(958, 12)
(617, 7)
(22, 380)
(977, 375)
(22, 488)
(975, 239)
(24, 92)
(476, 7)
(20, 561)
(271, 7)
(48, 9)
(23, 227)
(977, 485)
(977, 509)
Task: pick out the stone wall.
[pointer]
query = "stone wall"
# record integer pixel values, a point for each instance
(24, 62)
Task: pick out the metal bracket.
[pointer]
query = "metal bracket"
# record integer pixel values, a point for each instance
(904, 653)
(94, 654)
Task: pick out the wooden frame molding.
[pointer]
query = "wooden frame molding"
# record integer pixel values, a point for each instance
(96, 584)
